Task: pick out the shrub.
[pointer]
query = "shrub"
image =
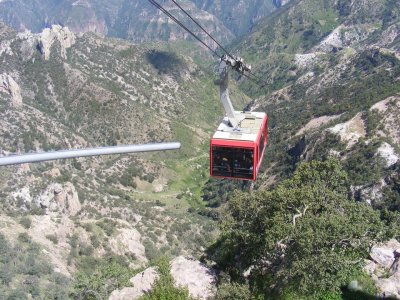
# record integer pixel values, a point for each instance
(26, 222)
(53, 238)
(164, 287)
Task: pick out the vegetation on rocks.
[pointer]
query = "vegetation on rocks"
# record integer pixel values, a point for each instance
(25, 271)
(304, 236)
(164, 287)
(99, 277)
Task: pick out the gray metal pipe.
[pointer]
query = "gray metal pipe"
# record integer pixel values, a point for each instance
(38, 157)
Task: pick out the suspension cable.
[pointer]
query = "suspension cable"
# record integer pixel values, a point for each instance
(252, 79)
(182, 25)
(255, 78)
(202, 28)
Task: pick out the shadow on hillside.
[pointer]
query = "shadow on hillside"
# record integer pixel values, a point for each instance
(165, 62)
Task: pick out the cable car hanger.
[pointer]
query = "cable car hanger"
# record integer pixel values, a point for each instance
(237, 146)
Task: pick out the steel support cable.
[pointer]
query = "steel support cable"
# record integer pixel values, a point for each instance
(258, 82)
(182, 25)
(255, 76)
(157, 5)
(202, 28)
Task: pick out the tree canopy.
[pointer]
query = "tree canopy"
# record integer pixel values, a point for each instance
(306, 235)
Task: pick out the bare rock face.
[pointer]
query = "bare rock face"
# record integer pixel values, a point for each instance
(195, 276)
(388, 153)
(29, 42)
(128, 241)
(188, 273)
(9, 86)
(384, 268)
(62, 198)
(371, 194)
(351, 131)
(56, 33)
(142, 284)
(73, 204)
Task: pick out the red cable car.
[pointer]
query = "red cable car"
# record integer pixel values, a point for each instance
(237, 152)
(237, 147)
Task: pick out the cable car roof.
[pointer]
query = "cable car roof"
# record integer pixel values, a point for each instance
(248, 129)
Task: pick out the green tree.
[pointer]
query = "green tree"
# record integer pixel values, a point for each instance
(304, 236)
(108, 275)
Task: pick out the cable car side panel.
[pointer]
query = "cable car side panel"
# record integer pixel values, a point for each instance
(262, 140)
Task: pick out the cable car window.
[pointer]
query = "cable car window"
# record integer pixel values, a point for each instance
(232, 162)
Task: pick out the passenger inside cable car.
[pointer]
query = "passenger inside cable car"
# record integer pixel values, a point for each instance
(232, 162)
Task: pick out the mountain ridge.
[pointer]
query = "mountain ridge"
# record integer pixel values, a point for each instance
(138, 20)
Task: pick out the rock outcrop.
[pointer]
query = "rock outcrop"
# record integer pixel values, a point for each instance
(56, 33)
(384, 268)
(388, 153)
(188, 273)
(350, 132)
(128, 241)
(62, 198)
(142, 284)
(9, 86)
(195, 276)
(389, 110)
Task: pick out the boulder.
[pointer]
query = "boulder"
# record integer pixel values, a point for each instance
(188, 273)
(9, 86)
(195, 276)
(383, 255)
(384, 268)
(142, 284)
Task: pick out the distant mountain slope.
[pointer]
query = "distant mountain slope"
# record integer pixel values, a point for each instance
(133, 20)
(238, 16)
(319, 28)
(136, 20)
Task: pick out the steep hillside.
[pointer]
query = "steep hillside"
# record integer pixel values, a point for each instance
(323, 59)
(61, 91)
(330, 83)
(323, 65)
